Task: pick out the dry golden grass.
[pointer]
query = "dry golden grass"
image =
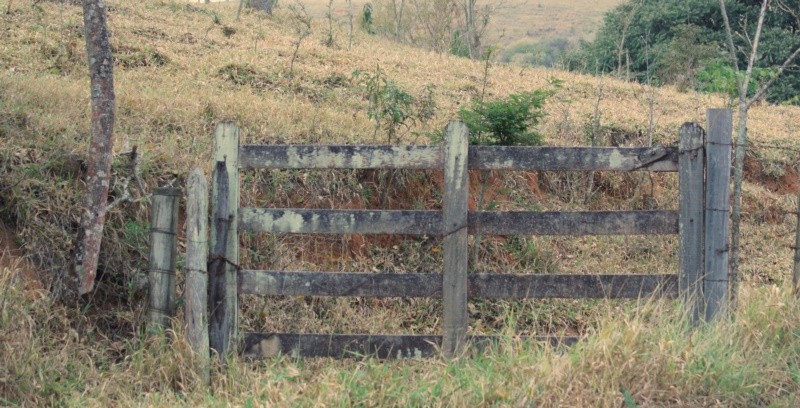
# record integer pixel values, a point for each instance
(174, 83)
(512, 21)
(642, 356)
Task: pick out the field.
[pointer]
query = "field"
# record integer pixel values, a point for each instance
(183, 67)
(518, 20)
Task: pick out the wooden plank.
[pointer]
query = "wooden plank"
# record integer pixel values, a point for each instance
(196, 286)
(163, 256)
(271, 283)
(574, 223)
(340, 157)
(691, 177)
(217, 326)
(340, 221)
(301, 221)
(573, 158)
(718, 176)
(224, 307)
(265, 345)
(492, 286)
(454, 245)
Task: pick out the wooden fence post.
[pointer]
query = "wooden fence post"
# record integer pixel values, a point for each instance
(796, 263)
(196, 292)
(223, 301)
(456, 193)
(691, 174)
(163, 249)
(718, 177)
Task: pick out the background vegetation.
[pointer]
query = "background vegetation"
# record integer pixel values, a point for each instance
(682, 43)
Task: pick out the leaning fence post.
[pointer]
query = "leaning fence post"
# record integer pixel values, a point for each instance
(223, 301)
(692, 199)
(196, 292)
(163, 249)
(718, 177)
(456, 192)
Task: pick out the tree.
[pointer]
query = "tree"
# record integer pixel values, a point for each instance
(101, 73)
(476, 20)
(397, 13)
(684, 40)
(744, 103)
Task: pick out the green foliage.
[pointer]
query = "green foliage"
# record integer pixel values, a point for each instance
(506, 122)
(367, 20)
(681, 42)
(426, 105)
(719, 77)
(389, 105)
(459, 46)
(679, 60)
(547, 53)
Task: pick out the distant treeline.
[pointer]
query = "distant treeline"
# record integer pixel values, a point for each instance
(683, 43)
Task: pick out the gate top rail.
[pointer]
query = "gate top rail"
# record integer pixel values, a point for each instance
(659, 158)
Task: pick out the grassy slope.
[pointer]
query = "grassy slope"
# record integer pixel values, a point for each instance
(179, 73)
(513, 21)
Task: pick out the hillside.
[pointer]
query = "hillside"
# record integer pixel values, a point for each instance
(512, 21)
(181, 68)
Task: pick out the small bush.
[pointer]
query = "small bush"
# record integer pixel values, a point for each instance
(389, 105)
(547, 53)
(506, 122)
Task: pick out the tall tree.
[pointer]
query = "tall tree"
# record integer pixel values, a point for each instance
(744, 103)
(101, 73)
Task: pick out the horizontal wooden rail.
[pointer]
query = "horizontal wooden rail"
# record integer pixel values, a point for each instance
(573, 158)
(480, 157)
(574, 223)
(260, 345)
(302, 221)
(340, 157)
(340, 221)
(496, 286)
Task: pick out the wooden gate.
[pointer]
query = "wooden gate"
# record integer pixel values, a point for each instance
(702, 280)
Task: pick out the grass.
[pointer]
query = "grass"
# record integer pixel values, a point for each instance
(180, 71)
(644, 355)
(513, 21)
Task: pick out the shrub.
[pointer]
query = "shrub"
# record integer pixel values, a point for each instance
(389, 105)
(506, 122)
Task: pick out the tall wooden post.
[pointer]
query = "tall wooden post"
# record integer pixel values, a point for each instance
(223, 301)
(796, 264)
(718, 176)
(456, 192)
(691, 174)
(163, 250)
(196, 292)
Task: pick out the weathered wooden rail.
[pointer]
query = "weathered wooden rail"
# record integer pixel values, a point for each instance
(703, 165)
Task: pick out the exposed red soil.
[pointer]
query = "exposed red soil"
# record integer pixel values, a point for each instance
(11, 256)
(786, 184)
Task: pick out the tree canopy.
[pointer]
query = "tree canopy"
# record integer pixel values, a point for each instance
(682, 42)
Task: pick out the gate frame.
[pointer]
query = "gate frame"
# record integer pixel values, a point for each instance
(703, 164)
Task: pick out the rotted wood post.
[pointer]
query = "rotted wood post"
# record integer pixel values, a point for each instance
(456, 192)
(691, 174)
(196, 292)
(163, 251)
(716, 283)
(223, 297)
